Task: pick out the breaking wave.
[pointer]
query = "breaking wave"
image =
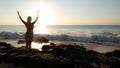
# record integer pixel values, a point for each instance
(104, 38)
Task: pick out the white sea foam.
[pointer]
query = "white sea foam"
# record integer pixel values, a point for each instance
(110, 39)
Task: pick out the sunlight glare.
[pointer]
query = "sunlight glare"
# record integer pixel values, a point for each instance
(37, 46)
(40, 29)
(46, 14)
(46, 17)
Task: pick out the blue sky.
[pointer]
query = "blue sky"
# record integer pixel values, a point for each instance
(62, 12)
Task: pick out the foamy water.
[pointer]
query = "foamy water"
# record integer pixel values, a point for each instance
(104, 35)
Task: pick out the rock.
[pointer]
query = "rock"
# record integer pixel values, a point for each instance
(115, 53)
(21, 41)
(2, 43)
(52, 44)
(46, 48)
(75, 52)
(58, 51)
(92, 52)
(42, 40)
(4, 47)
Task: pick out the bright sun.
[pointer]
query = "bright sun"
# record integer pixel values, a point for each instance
(46, 17)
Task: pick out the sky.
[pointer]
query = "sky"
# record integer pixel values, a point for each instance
(61, 12)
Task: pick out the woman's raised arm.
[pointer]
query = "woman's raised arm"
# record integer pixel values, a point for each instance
(21, 18)
(36, 18)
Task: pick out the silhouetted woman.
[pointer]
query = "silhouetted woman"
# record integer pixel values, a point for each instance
(29, 26)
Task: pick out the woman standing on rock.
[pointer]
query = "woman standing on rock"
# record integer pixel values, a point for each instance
(29, 26)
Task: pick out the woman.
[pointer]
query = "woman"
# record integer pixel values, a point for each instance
(29, 26)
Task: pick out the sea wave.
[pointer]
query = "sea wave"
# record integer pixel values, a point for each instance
(104, 38)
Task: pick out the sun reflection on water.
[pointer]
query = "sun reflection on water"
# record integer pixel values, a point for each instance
(40, 29)
(38, 45)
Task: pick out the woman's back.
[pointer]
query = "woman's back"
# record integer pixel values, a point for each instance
(29, 27)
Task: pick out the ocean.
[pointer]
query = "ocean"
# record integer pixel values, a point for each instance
(107, 34)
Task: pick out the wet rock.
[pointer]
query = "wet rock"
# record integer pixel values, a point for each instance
(42, 40)
(21, 41)
(52, 44)
(46, 48)
(75, 53)
(92, 52)
(115, 53)
(58, 51)
(4, 44)
(5, 47)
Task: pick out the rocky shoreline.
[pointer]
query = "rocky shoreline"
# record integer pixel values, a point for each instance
(58, 56)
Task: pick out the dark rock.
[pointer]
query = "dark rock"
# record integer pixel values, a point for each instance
(42, 40)
(2, 43)
(75, 53)
(58, 51)
(21, 41)
(5, 44)
(46, 48)
(52, 44)
(115, 53)
(4, 47)
(92, 52)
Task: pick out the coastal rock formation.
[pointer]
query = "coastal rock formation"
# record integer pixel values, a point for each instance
(21, 41)
(41, 40)
(60, 56)
(5, 47)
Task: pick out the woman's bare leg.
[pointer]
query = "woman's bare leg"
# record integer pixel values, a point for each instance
(27, 42)
(28, 38)
(30, 41)
(29, 47)
(26, 45)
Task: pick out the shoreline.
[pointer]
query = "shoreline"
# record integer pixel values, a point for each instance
(92, 46)
(102, 48)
